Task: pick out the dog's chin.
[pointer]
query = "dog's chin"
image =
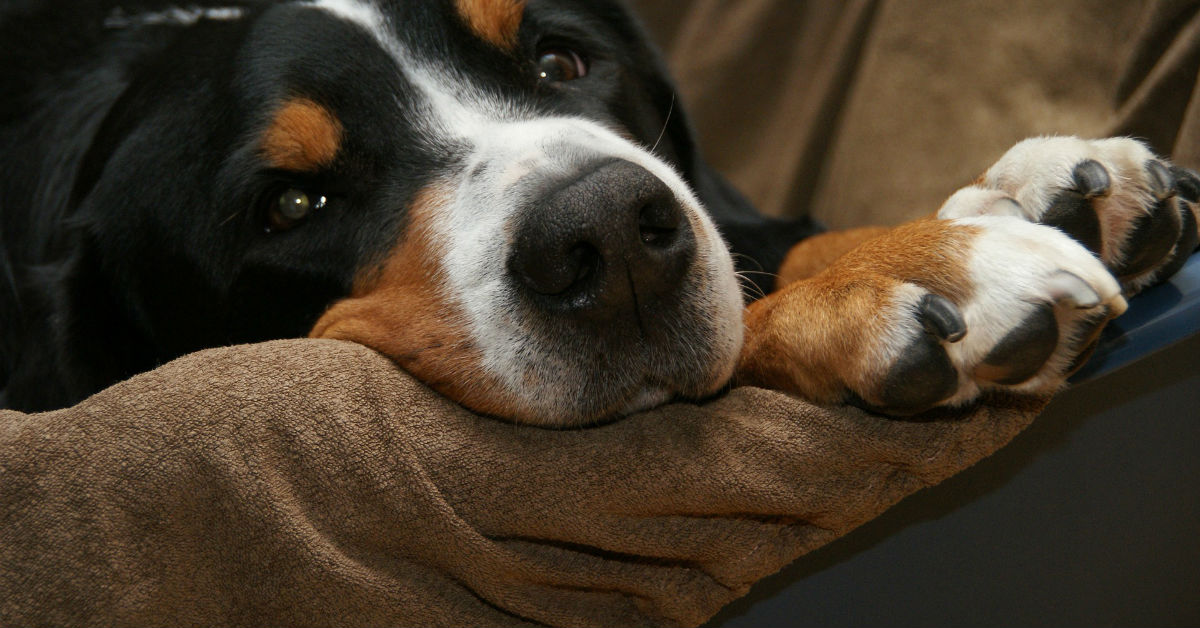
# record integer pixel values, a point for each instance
(588, 380)
(649, 398)
(592, 403)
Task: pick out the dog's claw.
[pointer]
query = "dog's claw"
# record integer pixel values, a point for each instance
(1162, 181)
(941, 318)
(1067, 287)
(1091, 179)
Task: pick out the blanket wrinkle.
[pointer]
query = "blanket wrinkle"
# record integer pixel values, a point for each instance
(609, 577)
(1164, 89)
(601, 560)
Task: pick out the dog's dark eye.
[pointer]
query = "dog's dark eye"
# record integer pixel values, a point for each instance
(291, 207)
(558, 65)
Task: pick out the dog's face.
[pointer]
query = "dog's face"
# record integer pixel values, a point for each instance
(488, 191)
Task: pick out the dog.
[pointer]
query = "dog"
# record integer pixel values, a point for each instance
(505, 198)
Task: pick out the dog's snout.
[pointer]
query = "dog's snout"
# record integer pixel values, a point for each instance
(613, 238)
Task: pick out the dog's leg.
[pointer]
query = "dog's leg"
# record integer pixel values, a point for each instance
(982, 297)
(815, 254)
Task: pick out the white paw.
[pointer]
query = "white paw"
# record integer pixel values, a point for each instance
(1135, 211)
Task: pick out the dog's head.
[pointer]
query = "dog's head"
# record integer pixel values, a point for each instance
(491, 192)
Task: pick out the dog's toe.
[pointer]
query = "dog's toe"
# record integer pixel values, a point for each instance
(1131, 209)
(1021, 353)
(1151, 238)
(922, 377)
(1071, 212)
(924, 374)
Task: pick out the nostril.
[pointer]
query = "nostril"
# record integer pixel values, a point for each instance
(586, 260)
(658, 222)
(552, 274)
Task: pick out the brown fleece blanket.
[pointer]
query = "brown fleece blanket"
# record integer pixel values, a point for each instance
(313, 482)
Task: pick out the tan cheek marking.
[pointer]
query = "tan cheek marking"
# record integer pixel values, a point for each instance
(812, 337)
(494, 21)
(302, 137)
(401, 310)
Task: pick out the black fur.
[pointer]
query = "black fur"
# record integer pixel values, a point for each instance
(132, 195)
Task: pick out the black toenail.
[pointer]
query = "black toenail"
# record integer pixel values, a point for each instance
(1162, 182)
(1091, 179)
(941, 318)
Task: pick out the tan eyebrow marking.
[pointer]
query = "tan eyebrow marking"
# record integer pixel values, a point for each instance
(494, 21)
(303, 136)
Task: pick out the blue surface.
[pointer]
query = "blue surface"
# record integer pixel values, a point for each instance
(1157, 318)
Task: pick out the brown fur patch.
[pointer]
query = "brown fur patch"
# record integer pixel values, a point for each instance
(302, 137)
(815, 254)
(813, 337)
(400, 309)
(494, 21)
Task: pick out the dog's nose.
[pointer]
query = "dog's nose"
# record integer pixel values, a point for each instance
(612, 238)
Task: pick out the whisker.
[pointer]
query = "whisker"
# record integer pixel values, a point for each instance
(759, 272)
(748, 285)
(747, 258)
(667, 121)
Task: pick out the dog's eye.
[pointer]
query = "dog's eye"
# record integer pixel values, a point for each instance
(558, 65)
(291, 207)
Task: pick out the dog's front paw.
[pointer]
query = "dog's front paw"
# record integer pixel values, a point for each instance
(1133, 210)
(934, 313)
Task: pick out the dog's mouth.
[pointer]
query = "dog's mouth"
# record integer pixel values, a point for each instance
(560, 294)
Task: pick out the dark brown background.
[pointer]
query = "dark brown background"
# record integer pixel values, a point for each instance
(873, 112)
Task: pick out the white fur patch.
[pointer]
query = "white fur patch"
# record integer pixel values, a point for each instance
(360, 12)
(174, 16)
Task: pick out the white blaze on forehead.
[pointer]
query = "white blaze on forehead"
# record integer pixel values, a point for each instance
(364, 14)
(174, 16)
(512, 143)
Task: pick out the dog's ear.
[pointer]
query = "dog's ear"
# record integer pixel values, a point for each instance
(759, 242)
